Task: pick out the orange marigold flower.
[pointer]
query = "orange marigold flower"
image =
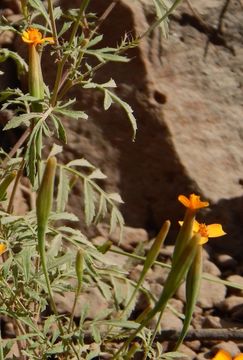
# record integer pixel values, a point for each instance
(34, 36)
(3, 248)
(224, 355)
(193, 202)
(206, 231)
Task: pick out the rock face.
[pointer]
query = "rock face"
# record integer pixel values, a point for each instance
(186, 93)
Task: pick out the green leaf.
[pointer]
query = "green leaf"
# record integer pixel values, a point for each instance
(89, 205)
(74, 114)
(48, 323)
(95, 333)
(115, 197)
(81, 162)
(128, 110)
(61, 132)
(102, 209)
(95, 41)
(16, 121)
(107, 100)
(21, 64)
(38, 5)
(63, 216)
(63, 190)
(97, 174)
(116, 219)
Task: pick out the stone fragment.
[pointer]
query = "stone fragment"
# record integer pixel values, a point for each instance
(189, 353)
(231, 303)
(92, 297)
(211, 294)
(226, 261)
(212, 322)
(238, 280)
(229, 346)
(131, 236)
(210, 268)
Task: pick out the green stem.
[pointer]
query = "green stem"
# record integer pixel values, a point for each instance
(159, 21)
(61, 64)
(53, 24)
(41, 246)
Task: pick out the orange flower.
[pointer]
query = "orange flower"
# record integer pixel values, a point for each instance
(193, 202)
(34, 37)
(206, 231)
(3, 248)
(224, 355)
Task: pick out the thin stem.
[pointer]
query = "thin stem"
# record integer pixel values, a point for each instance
(65, 57)
(46, 275)
(16, 182)
(159, 21)
(53, 24)
(74, 306)
(16, 147)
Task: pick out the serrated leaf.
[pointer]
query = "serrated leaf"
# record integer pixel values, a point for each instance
(74, 114)
(95, 41)
(109, 84)
(107, 100)
(115, 197)
(95, 333)
(38, 5)
(48, 322)
(102, 209)
(56, 149)
(102, 56)
(89, 205)
(19, 120)
(21, 64)
(61, 133)
(127, 324)
(116, 219)
(81, 162)
(128, 110)
(10, 219)
(63, 190)
(66, 26)
(97, 174)
(63, 216)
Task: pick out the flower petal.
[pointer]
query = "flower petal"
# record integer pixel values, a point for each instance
(215, 230)
(203, 240)
(196, 226)
(184, 200)
(222, 355)
(193, 202)
(3, 248)
(239, 357)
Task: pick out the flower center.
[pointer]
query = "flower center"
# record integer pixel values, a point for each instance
(34, 35)
(203, 231)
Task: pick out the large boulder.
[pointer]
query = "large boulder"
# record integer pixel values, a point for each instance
(186, 92)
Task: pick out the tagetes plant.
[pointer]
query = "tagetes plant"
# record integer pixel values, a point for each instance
(193, 202)
(225, 355)
(34, 37)
(206, 231)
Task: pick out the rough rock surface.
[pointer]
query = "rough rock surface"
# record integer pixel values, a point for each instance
(186, 93)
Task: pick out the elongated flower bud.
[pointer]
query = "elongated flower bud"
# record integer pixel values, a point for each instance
(193, 281)
(36, 84)
(157, 244)
(5, 184)
(45, 197)
(79, 266)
